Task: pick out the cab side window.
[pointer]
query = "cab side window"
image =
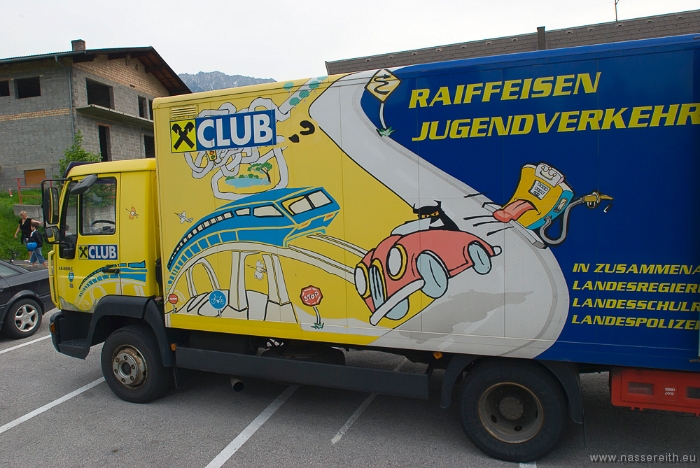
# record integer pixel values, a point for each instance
(98, 208)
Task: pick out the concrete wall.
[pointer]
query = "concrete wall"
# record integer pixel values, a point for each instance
(129, 81)
(34, 131)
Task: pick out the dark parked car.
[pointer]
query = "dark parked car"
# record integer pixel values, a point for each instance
(24, 297)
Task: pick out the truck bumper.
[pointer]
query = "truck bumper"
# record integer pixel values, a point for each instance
(69, 333)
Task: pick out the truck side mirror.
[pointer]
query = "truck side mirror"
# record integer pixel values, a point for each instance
(52, 234)
(82, 186)
(49, 205)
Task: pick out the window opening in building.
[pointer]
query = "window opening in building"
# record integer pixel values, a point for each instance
(142, 107)
(99, 94)
(104, 142)
(149, 146)
(4, 88)
(150, 109)
(28, 87)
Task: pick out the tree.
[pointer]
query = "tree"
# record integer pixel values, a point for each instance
(76, 153)
(265, 168)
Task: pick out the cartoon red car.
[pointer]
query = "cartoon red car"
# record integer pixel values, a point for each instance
(423, 260)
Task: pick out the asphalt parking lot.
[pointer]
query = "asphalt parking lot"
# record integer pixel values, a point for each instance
(57, 411)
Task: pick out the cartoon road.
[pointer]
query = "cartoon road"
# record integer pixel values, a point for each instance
(476, 311)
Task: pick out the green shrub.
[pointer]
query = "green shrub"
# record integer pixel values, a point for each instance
(75, 152)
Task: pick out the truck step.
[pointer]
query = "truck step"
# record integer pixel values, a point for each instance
(655, 389)
(76, 348)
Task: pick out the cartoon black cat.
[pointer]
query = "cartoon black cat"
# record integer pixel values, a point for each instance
(438, 218)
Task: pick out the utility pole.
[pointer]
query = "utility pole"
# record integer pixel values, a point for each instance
(616, 2)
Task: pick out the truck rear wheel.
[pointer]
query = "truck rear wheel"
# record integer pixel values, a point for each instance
(132, 365)
(512, 410)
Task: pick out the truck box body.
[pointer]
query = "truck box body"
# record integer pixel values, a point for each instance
(476, 152)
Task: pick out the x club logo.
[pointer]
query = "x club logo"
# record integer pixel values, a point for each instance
(182, 132)
(83, 251)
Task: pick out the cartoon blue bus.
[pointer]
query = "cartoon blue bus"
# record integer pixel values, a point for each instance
(275, 217)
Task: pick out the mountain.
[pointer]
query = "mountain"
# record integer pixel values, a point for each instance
(207, 81)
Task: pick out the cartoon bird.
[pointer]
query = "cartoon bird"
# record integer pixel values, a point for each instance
(260, 270)
(183, 217)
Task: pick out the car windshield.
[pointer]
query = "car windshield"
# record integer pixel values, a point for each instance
(307, 202)
(6, 271)
(300, 206)
(319, 198)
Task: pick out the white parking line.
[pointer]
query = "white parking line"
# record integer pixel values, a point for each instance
(24, 344)
(47, 407)
(359, 411)
(353, 418)
(528, 465)
(248, 432)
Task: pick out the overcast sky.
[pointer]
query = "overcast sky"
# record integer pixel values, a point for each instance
(287, 39)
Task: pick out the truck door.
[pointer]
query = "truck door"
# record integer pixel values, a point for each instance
(86, 268)
(137, 223)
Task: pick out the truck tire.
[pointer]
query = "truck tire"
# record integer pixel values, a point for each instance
(23, 319)
(132, 365)
(513, 410)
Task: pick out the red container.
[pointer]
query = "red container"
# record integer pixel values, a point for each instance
(655, 389)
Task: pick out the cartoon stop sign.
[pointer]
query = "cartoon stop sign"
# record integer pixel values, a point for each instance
(311, 296)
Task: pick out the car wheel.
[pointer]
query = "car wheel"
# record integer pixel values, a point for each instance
(23, 319)
(433, 273)
(132, 365)
(480, 258)
(513, 411)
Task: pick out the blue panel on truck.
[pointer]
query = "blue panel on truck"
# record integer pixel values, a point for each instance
(610, 128)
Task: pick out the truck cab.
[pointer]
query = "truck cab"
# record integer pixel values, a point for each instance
(107, 233)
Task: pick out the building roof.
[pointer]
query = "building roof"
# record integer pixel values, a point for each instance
(153, 62)
(672, 24)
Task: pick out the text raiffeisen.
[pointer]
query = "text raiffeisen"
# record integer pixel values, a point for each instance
(544, 86)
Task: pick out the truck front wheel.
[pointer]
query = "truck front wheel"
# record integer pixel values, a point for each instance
(132, 365)
(512, 410)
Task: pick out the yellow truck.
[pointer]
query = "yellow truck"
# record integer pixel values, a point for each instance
(431, 211)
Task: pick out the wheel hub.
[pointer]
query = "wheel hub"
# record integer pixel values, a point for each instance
(511, 413)
(511, 408)
(129, 366)
(26, 318)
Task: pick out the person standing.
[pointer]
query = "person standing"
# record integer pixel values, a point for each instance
(24, 226)
(36, 257)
